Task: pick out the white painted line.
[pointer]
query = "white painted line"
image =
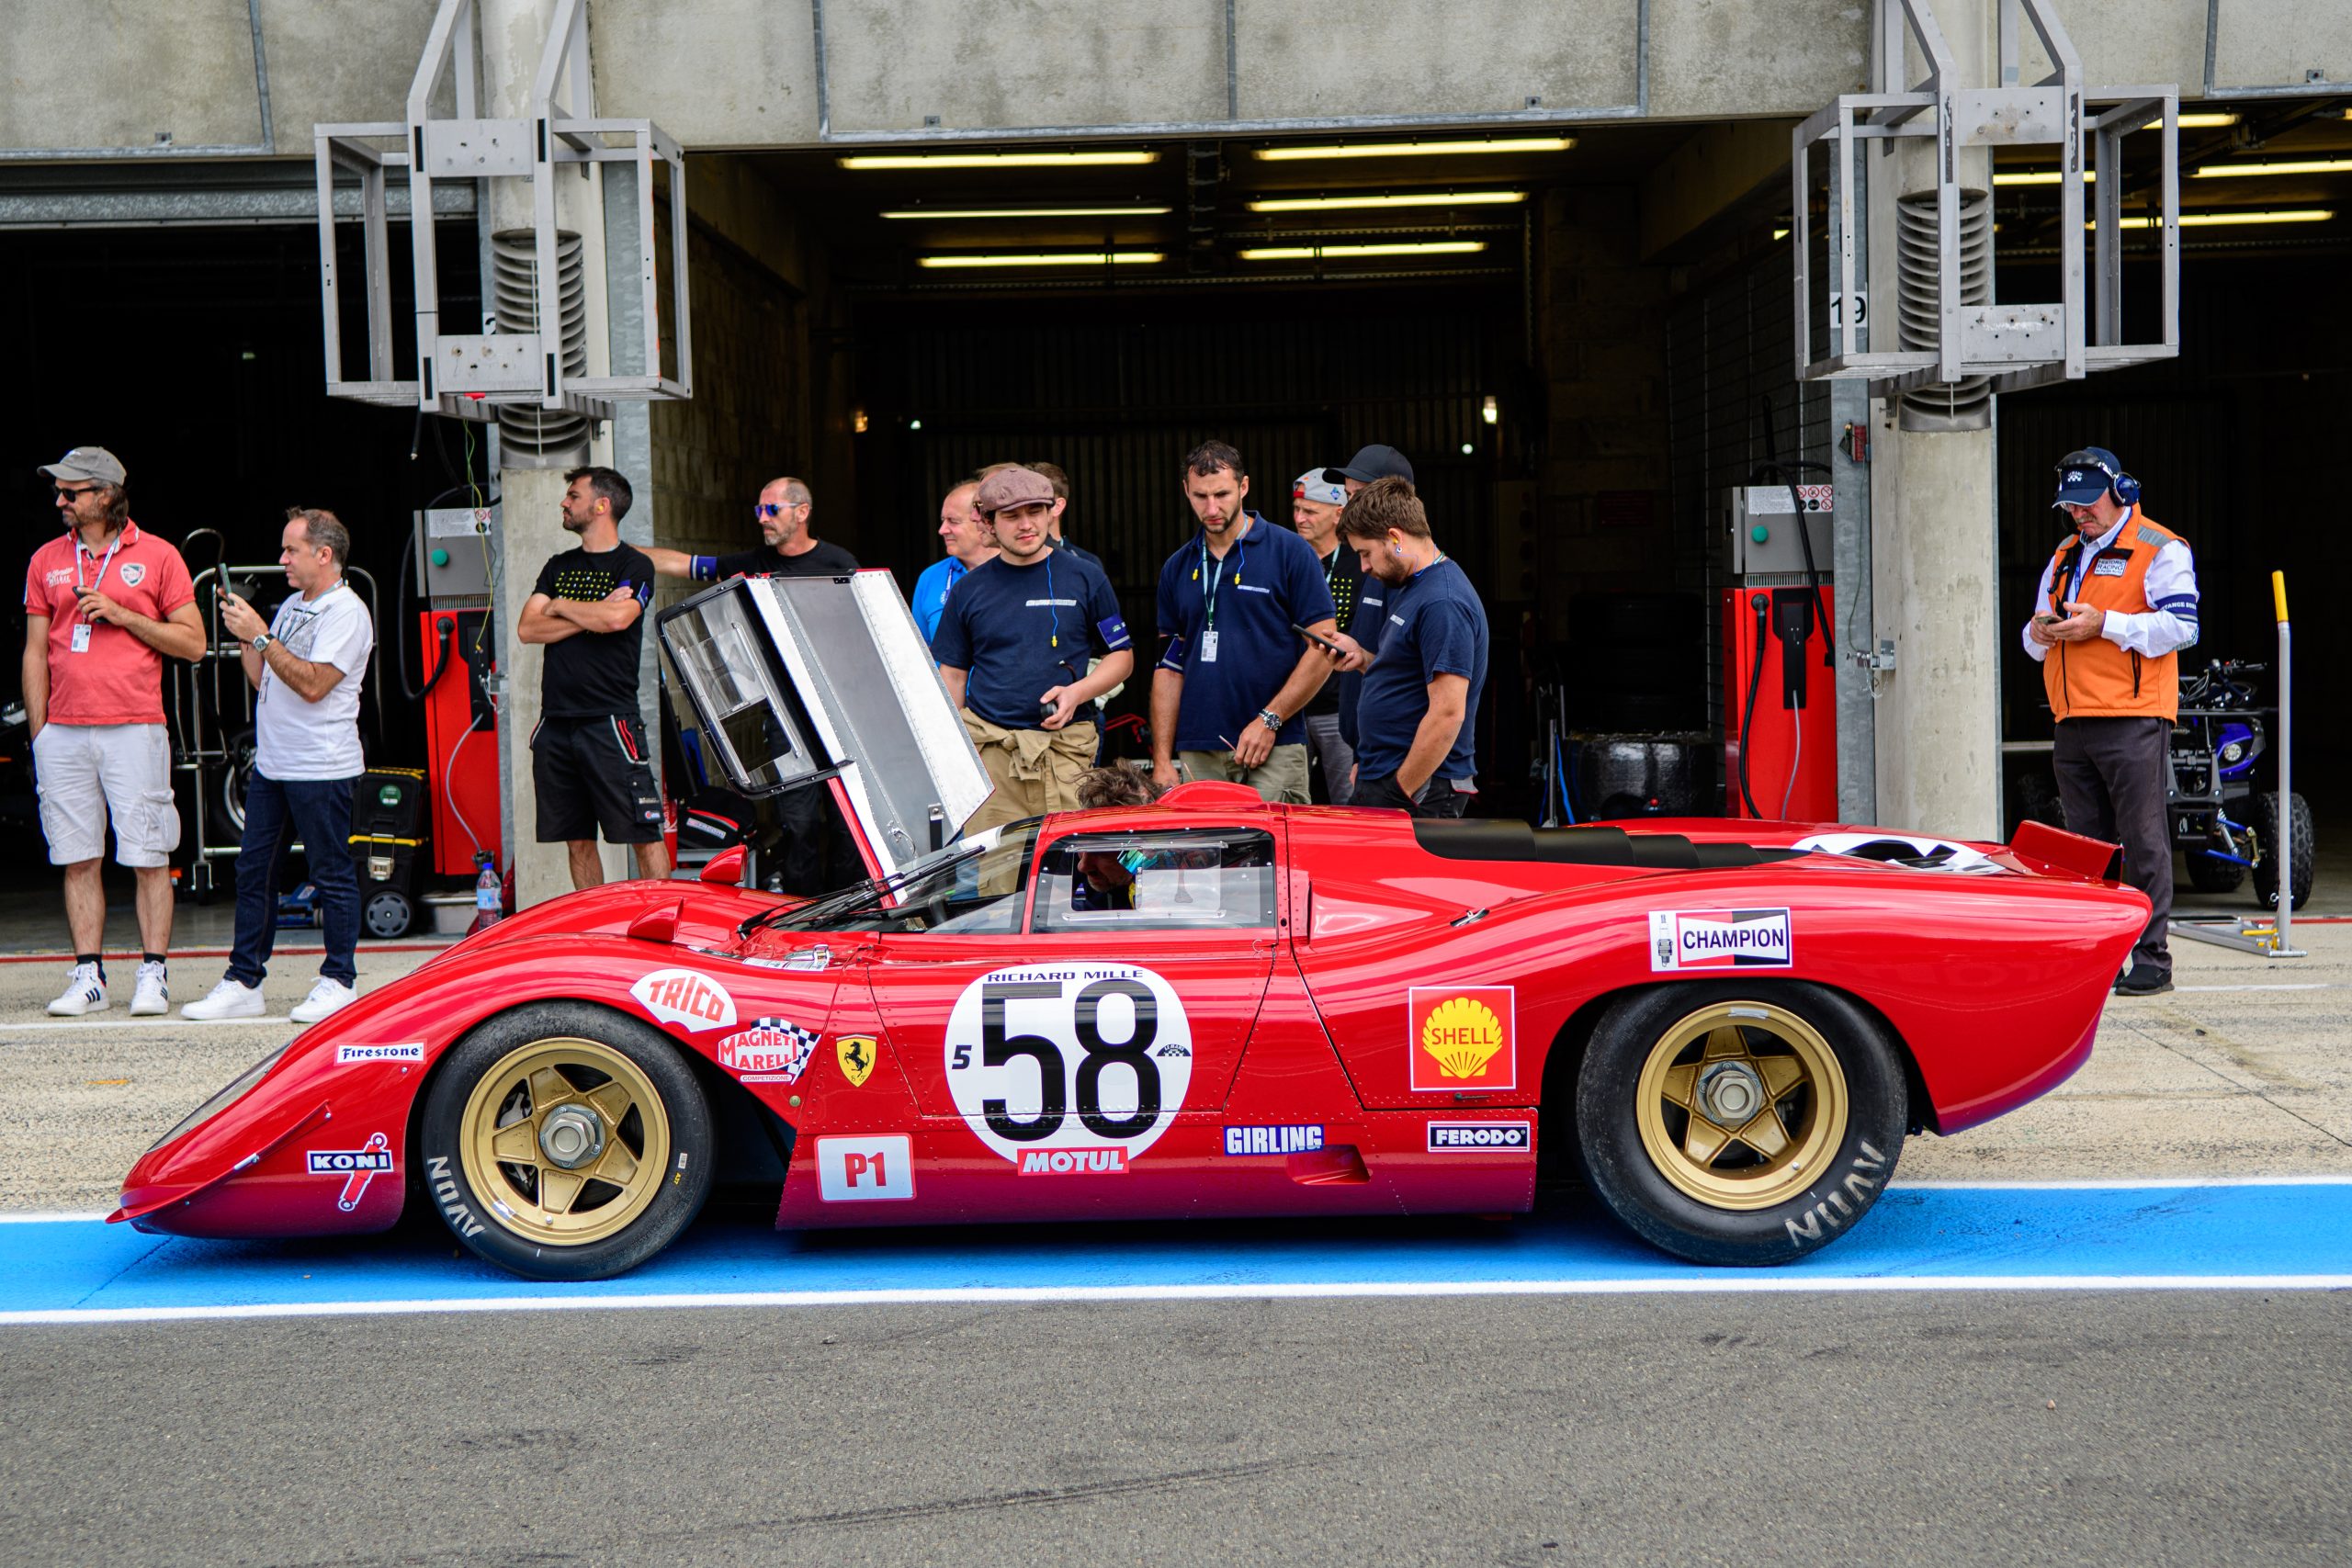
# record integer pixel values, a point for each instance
(146, 1023)
(48, 1218)
(2306, 985)
(2119, 1184)
(1736, 1283)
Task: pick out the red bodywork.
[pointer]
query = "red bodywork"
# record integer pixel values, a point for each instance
(1302, 1091)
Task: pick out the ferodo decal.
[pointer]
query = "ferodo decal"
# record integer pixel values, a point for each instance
(855, 1055)
(771, 1051)
(1054, 1059)
(1719, 938)
(1480, 1137)
(1463, 1037)
(682, 997)
(359, 1167)
(849, 1169)
(346, 1054)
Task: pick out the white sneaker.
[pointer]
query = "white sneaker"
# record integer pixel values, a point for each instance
(86, 991)
(230, 998)
(326, 997)
(153, 996)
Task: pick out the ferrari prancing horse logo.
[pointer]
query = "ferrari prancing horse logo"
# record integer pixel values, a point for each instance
(855, 1054)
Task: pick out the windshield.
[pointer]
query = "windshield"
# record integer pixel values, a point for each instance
(973, 885)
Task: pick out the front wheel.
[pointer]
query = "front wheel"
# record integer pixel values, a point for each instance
(1739, 1124)
(565, 1142)
(2295, 834)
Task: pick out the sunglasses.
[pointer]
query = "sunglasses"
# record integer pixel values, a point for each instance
(769, 509)
(75, 494)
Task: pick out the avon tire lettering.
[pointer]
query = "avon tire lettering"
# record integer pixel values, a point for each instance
(1830, 1215)
(451, 1202)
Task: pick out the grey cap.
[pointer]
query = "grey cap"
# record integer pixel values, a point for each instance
(87, 463)
(1009, 488)
(1371, 463)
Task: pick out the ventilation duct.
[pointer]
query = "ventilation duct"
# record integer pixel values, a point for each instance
(535, 438)
(1942, 405)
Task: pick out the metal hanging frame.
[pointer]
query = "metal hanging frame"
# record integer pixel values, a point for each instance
(469, 375)
(2015, 345)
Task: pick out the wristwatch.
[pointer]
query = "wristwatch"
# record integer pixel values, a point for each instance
(1271, 719)
(261, 642)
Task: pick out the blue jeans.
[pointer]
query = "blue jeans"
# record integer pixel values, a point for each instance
(318, 810)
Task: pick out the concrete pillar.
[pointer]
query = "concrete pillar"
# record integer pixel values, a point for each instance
(513, 34)
(1934, 551)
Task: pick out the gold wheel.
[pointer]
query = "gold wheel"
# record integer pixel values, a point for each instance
(565, 1139)
(1740, 1104)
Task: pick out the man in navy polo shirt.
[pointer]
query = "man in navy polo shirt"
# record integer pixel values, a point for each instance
(1414, 735)
(1228, 695)
(1012, 646)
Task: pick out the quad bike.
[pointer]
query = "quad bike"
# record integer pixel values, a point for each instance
(2222, 825)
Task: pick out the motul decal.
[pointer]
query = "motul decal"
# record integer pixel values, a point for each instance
(682, 997)
(1073, 1162)
(1719, 938)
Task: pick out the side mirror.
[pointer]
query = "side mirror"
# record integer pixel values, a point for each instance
(726, 867)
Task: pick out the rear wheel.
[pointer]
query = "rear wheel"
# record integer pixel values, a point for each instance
(1739, 1124)
(2208, 873)
(2261, 811)
(564, 1141)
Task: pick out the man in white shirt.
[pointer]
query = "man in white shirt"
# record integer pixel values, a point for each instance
(307, 667)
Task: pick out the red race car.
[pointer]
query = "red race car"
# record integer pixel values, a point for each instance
(1203, 1007)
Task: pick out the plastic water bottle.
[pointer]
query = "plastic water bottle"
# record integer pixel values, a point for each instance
(486, 893)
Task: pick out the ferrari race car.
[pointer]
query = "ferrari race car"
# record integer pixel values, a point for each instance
(1203, 1007)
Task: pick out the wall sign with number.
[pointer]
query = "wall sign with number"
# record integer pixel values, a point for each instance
(1078, 1058)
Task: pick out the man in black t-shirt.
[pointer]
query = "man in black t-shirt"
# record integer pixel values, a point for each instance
(788, 548)
(590, 764)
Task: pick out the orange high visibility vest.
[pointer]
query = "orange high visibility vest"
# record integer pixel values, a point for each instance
(2097, 679)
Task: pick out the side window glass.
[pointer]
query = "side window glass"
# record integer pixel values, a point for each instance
(1198, 879)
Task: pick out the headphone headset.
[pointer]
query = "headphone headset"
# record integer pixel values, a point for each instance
(2121, 485)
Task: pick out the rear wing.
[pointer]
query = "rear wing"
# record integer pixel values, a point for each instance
(2092, 858)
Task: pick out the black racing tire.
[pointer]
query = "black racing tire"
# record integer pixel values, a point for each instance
(2262, 815)
(486, 1148)
(388, 914)
(1818, 1069)
(2208, 874)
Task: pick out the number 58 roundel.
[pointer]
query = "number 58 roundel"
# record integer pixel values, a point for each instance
(1068, 1068)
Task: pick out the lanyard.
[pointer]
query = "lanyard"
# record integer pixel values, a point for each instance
(81, 549)
(955, 571)
(1210, 582)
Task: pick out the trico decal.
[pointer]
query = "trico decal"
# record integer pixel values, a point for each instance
(359, 1167)
(1719, 938)
(1479, 1137)
(1463, 1037)
(855, 1055)
(770, 1050)
(346, 1055)
(1293, 1140)
(446, 1193)
(683, 996)
(1053, 1058)
(854, 1169)
(1073, 1162)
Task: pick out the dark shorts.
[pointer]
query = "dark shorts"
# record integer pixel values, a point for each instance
(593, 773)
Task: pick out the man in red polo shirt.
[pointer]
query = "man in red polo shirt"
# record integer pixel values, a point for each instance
(103, 603)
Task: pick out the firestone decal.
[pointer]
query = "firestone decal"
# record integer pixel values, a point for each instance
(1719, 938)
(771, 1051)
(346, 1055)
(359, 1167)
(1463, 1037)
(683, 996)
(1061, 1058)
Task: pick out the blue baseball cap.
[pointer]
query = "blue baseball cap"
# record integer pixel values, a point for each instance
(2085, 475)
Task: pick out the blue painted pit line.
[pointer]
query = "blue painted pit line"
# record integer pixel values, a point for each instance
(2259, 1236)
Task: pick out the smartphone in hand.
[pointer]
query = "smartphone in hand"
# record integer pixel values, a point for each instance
(1324, 643)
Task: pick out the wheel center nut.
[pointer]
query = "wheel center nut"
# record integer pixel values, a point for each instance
(571, 1136)
(1731, 1093)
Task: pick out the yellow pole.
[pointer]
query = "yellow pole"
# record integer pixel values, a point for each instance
(2279, 594)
